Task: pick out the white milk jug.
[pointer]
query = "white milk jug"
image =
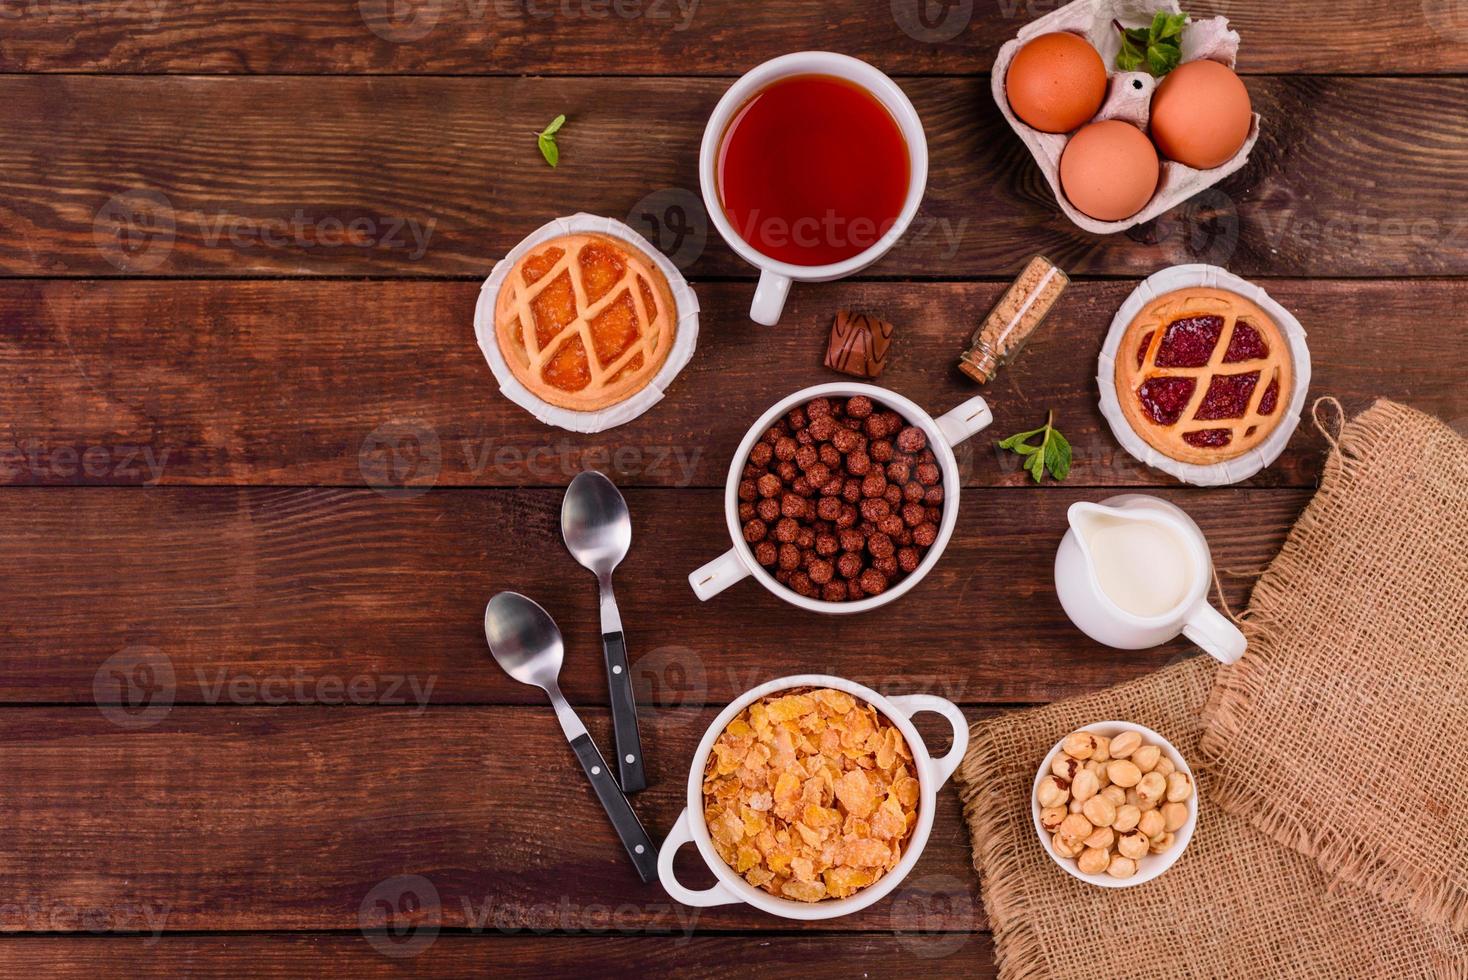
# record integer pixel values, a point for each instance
(1134, 572)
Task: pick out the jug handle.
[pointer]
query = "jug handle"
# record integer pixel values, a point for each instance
(1212, 631)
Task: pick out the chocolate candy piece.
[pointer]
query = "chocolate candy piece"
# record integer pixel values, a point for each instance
(858, 344)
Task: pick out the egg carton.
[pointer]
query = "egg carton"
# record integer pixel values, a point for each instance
(1128, 97)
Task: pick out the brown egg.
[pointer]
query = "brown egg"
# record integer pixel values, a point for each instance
(1056, 82)
(1109, 170)
(1201, 114)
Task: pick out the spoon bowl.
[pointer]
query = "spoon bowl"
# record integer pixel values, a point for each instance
(524, 640)
(595, 523)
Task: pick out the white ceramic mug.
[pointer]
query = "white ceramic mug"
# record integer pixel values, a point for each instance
(1096, 615)
(776, 276)
(944, 433)
(730, 887)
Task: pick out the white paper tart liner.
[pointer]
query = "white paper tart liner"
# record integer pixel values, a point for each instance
(685, 340)
(1240, 467)
(1128, 97)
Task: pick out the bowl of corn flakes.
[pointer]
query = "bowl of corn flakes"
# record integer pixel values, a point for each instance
(811, 797)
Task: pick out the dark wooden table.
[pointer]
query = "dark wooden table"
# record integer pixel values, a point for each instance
(259, 482)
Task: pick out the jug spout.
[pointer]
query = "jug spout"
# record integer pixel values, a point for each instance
(1085, 517)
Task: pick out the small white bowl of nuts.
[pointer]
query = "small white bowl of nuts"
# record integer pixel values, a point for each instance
(1115, 804)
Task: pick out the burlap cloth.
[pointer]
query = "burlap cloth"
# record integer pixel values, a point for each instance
(1341, 733)
(1237, 903)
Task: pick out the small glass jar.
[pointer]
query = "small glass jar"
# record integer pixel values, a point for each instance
(1021, 309)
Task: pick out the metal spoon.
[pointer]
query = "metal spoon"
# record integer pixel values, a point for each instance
(527, 644)
(598, 531)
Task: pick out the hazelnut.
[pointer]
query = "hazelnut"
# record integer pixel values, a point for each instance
(1121, 867)
(1179, 787)
(1122, 772)
(1152, 823)
(1127, 817)
(1124, 744)
(1076, 826)
(1067, 846)
(1132, 844)
(1145, 757)
(1174, 815)
(1065, 767)
(1093, 860)
(1100, 811)
(1103, 749)
(1102, 837)
(1099, 768)
(1165, 766)
(1051, 816)
(1115, 794)
(1162, 843)
(1085, 785)
(1152, 788)
(1079, 745)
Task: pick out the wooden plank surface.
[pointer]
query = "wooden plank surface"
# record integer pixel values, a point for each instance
(295, 818)
(491, 953)
(424, 177)
(662, 37)
(448, 954)
(259, 597)
(382, 384)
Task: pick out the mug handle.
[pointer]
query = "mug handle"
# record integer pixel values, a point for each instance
(718, 575)
(682, 833)
(769, 298)
(965, 421)
(911, 704)
(1212, 631)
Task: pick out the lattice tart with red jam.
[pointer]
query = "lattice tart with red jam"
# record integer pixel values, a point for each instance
(1203, 375)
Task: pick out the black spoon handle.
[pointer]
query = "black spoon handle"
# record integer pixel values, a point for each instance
(640, 848)
(631, 772)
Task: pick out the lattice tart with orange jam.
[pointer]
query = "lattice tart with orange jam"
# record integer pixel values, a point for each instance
(1203, 375)
(585, 321)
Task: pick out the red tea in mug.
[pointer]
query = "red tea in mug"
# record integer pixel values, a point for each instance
(813, 170)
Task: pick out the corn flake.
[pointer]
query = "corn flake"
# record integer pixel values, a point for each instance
(808, 795)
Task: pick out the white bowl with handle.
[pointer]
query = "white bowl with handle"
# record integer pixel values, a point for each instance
(944, 434)
(730, 888)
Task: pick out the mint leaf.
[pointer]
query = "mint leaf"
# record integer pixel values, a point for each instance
(1015, 441)
(1052, 454)
(546, 140)
(1157, 48)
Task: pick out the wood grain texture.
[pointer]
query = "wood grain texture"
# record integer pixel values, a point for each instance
(381, 383)
(295, 818)
(425, 177)
(695, 37)
(289, 957)
(263, 597)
